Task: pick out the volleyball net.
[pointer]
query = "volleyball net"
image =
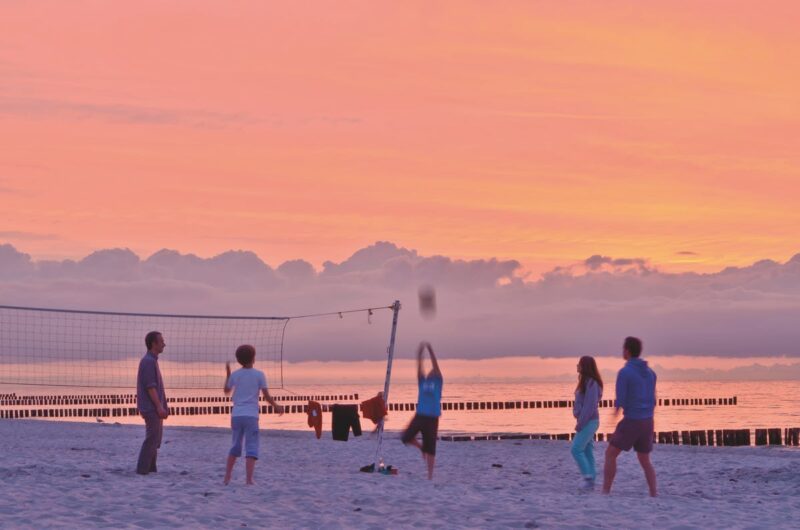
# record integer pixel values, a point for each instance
(100, 349)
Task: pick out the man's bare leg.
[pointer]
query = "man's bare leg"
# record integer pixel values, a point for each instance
(649, 472)
(250, 467)
(229, 469)
(430, 460)
(610, 469)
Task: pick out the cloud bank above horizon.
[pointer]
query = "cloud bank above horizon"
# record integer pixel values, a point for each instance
(486, 308)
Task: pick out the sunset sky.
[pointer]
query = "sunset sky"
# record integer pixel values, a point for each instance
(543, 132)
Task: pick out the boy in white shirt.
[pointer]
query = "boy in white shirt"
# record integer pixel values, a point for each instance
(246, 383)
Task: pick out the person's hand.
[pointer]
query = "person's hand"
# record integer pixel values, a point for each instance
(228, 369)
(279, 409)
(162, 413)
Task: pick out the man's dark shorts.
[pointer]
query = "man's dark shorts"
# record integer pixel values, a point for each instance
(637, 434)
(429, 427)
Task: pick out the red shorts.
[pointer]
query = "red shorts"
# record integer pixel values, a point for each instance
(637, 434)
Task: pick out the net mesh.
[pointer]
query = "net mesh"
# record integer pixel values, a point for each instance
(53, 347)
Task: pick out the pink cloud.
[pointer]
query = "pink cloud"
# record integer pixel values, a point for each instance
(484, 308)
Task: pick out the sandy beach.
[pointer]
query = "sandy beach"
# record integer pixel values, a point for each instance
(72, 475)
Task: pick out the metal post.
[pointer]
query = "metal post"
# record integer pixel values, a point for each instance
(390, 351)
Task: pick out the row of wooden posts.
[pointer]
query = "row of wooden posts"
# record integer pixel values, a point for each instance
(604, 403)
(12, 400)
(180, 408)
(719, 437)
(722, 437)
(130, 399)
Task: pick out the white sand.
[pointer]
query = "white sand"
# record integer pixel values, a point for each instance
(73, 475)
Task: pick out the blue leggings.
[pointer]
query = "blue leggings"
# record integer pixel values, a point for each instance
(583, 449)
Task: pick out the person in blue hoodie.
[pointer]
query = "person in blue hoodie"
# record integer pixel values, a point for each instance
(587, 398)
(636, 396)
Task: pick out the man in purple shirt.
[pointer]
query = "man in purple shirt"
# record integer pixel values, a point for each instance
(151, 401)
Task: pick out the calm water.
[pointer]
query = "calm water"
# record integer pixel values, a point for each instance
(761, 404)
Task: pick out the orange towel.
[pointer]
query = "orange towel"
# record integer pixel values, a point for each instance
(315, 417)
(374, 408)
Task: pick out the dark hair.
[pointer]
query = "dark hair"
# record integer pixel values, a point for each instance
(150, 338)
(634, 346)
(587, 369)
(245, 354)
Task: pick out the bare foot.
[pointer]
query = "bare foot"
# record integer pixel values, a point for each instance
(251, 483)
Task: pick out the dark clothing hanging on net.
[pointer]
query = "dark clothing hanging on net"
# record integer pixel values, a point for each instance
(345, 417)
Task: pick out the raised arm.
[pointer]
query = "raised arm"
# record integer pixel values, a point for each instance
(436, 370)
(420, 351)
(226, 388)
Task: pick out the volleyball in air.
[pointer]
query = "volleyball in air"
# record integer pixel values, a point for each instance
(427, 302)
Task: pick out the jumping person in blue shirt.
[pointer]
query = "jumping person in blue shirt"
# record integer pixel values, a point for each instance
(429, 408)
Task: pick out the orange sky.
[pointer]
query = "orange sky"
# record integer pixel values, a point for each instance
(540, 131)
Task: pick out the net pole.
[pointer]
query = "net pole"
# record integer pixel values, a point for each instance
(390, 355)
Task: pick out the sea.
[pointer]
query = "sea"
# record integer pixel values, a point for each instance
(759, 404)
